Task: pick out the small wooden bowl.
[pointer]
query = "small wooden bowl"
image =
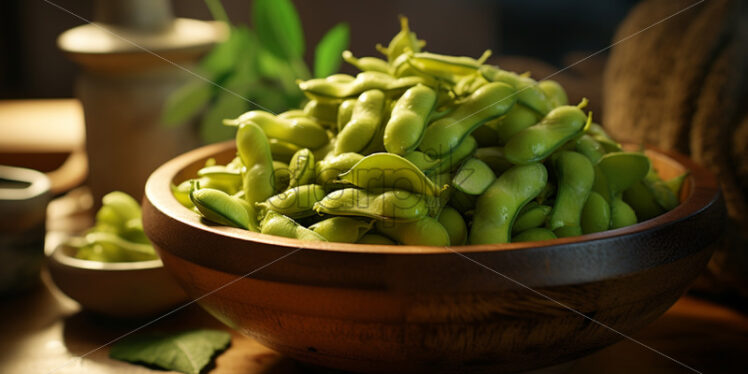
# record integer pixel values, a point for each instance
(130, 290)
(481, 308)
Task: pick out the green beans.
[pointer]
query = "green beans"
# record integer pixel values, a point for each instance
(407, 123)
(365, 121)
(254, 150)
(575, 176)
(425, 231)
(279, 225)
(296, 202)
(595, 214)
(301, 168)
(342, 229)
(474, 177)
(489, 101)
(453, 222)
(497, 208)
(537, 142)
(427, 149)
(219, 207)
(300, 131)
(387, 170)
(387, 205)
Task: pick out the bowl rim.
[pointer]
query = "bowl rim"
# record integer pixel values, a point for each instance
(60, 256)
(704, 191)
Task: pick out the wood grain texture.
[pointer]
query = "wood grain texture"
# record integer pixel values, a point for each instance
(427, 309)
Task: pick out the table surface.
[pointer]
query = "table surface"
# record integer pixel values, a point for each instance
(45, 332)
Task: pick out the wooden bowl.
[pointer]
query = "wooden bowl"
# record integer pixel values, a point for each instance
(481, 308)
(130, 290)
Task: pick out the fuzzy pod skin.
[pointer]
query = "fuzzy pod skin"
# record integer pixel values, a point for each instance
(405, 128)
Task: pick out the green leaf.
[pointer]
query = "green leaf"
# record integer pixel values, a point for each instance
(327, 55)
(279, 28)
(222, 57)
(186, 102)
(187, 352)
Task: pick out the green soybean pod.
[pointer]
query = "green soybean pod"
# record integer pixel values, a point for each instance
(375, 239)
(485, 135)
(595, 214)
(622, 169)
(567, 231)
(301, 168)
(516, 119)
(405, 128)
(598, 133)
(333, 92)
(494, 158)
(296, 202)
(421, 160)
(453, 222)
(425, 231)
(554, 92)
(676, 184)
(532, 217)
(324, 113)
(488, 102)
(328, 170)
(403, 41)
(497, 208)
(575, 175)
(388, 170)
(367, 63)
(528, 90)
(588, 146)
(282, 150)
(219, 207)
(450, 161)
(254, 150)
(461, 201)
(382, 205)
(537, 142)
(300, 131)
(621, 214)
(181, 192)
(642, 200)
(473, 177)
(277, 224)
(534, 235)
(365, 122)
(281, 175)
(345, 112)
(342, 229)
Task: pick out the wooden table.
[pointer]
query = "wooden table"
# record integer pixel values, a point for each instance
(44, 331)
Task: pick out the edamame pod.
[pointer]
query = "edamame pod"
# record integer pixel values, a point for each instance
(345, 112)
(282, 150)
(494, 158)
(621, 214)
(537, 142)
(621, 170)
(388, 170)
(382, 205)
(365, 122)
(641, 199)
(407, 123)
(595, 214)
(342, 229)
(554, 92)
(294, 202)
(301, 168)
(324, 113)
(489, 101)
(575, 176)
(329, 169)
(425, 231)
(421, 160)
(257, 180)
(300, 131)
(326, 91)
(532, 217)
(375, 239)
(588, 146)
(528, 91)
(450, 161)
(473, 177)
(219, 207)
(277, 224)
(181, 192)
(445, 68)
(281, 175)
(453, 222)
(367, 63)
(518, 118)
(534, 235)
(403, 41)
(498, 207)
(598, 133)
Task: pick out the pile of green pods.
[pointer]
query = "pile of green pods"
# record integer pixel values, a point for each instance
(427, 149)
(117, 235)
